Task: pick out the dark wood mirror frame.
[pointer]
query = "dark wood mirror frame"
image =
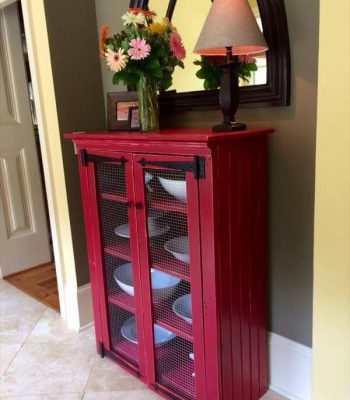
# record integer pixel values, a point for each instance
(276, 91)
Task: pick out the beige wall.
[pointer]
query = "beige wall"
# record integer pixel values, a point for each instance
(292, 174)
(331, 338)
(79, 97)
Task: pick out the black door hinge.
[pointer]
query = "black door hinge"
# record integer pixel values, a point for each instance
(86, 157)
(101, 349)
(196, 166)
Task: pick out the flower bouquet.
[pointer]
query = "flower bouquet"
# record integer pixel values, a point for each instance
(211, 70)
(144, 54)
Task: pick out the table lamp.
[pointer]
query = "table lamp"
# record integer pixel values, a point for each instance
(230, 29)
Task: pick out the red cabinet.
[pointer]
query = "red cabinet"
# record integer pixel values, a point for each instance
(176, 231)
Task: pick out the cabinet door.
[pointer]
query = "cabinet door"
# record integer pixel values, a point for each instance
(116, 280)
(166, 190)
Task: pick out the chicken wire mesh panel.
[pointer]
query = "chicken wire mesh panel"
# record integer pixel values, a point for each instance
(123, 333)
(170, 275)
(167, 221)
(110, 179)
(175, 367)
(115, 237)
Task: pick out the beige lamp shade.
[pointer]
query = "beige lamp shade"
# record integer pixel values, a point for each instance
(230, 23)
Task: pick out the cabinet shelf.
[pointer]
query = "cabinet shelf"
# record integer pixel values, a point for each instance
(113, 197)
(167, 203)
(176, 369)
(127, 349)
(180, 378)
(163, 314)
(121, 249)
(165, 317)
(123, 300)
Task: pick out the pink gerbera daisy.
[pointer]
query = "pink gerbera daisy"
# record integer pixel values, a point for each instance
(177, 46)
(139, 49)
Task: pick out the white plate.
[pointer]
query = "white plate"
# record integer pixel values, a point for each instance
(153, 231)
(179, 248)
(161, 335)
(182, 307)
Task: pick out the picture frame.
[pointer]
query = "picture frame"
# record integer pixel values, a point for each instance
(122, 111)
(134, 122)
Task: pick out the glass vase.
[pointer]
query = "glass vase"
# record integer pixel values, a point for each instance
(148, 104)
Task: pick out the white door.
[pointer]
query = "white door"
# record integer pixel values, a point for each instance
(24, 240)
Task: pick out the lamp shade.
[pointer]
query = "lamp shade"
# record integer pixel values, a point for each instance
(230, 23)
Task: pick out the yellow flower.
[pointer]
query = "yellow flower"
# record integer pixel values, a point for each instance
(167, 24)
(157, 27)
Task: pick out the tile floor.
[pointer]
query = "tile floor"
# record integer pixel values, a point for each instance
(42, 360)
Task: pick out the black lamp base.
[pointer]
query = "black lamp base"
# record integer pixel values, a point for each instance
(229, 95)
(229, 127)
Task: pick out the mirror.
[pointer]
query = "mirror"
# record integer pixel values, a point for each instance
(274, 90)
(185, 80)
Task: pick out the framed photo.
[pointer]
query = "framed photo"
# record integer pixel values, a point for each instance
(122, 111)
(134, 122)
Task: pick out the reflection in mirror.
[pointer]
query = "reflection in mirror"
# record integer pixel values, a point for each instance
(189, 25)
(276, 90)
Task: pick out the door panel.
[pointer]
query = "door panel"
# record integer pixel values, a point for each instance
(119, 292)
(170, 268)
(24, 240)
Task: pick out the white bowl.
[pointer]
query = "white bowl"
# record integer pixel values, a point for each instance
(148, 177)
(161, 335)
(182, 307)
(174, 187)
(179, 248)
(154, 229)
(123, 277)
(163, 285)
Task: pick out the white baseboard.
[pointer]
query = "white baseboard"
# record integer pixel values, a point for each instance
(79, 313)
(289, 362)
(290, 367)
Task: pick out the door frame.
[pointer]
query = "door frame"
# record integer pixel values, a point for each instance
(49, 134)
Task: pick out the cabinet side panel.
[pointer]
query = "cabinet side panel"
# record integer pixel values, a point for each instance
(210, 309)
(261, 246)
(84, 182)
(227, 199)
(240, 256)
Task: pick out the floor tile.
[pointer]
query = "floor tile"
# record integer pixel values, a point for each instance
(49, 368)
(52, 328)
(123, 395)
(270, 395)
(60, 396)
(7, 353)
(106, 376)
(18, 314)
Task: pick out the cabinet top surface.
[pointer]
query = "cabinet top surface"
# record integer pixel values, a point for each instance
(168, 135)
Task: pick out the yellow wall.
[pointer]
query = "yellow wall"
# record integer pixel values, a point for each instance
(331, 319)
(189, 21)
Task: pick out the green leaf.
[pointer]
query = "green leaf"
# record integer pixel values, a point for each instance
(160, 52)
(157, 73)
(152, 63)
(201, 74)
